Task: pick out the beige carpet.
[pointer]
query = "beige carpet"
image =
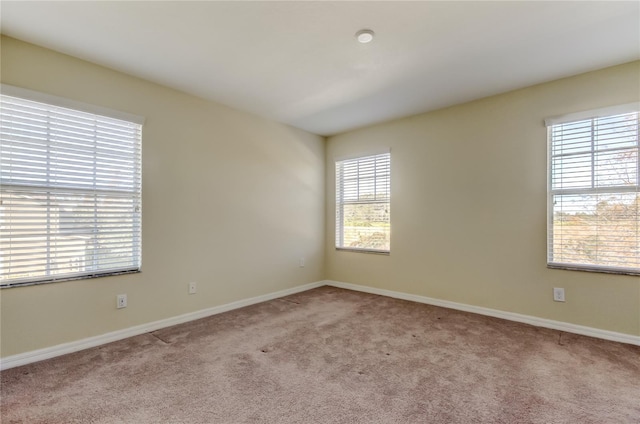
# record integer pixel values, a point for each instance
(334, 356)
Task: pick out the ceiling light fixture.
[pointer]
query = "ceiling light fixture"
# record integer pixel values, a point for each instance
(364, 35)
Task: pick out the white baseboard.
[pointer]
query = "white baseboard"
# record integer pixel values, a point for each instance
(75, 346)
(511, 316)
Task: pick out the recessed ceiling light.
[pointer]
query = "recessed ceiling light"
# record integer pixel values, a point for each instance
(364, 35)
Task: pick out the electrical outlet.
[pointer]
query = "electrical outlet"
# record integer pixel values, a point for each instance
(301, 262)
(121, 301)
(558, 294)
(192, 287)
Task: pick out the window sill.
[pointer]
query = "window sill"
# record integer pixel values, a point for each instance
(59, 280)
(602, 270)
(375, 252)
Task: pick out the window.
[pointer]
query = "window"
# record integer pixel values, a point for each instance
(70, 191)
(594, 195)
(363, 195)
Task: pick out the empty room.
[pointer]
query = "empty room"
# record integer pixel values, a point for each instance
(319, 212)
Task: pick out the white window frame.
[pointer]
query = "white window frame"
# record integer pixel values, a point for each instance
(595, 189)
(108, 183)
(382, 195)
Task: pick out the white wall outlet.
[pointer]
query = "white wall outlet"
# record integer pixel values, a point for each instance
(302, 262)
(121, 301)
(193, 287)
(558, 294)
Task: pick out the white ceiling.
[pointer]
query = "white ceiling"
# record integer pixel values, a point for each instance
(297, 62)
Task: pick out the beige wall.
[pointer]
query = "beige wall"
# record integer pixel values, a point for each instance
(230, 200)
(468, 210)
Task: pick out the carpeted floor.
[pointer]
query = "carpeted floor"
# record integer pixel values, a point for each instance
(334, 356)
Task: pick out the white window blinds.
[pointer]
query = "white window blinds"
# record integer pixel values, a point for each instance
(594, 194)
(363, 196)
(70, 193)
